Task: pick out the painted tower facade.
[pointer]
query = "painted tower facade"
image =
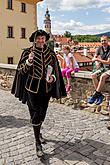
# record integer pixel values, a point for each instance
(47, 22)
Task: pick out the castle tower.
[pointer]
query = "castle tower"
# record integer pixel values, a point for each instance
(47, 28)
(47, 22)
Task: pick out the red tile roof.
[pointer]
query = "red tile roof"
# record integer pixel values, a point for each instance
(63, 40)
(82, 58)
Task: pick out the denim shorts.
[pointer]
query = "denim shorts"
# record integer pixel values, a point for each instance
(99, 71)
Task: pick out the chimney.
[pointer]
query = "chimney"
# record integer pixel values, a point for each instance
(85, 51)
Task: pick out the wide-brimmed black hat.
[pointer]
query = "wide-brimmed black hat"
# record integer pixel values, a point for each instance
(38, 33)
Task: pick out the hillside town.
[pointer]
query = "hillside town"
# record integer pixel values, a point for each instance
(84, 51)
(77, 124)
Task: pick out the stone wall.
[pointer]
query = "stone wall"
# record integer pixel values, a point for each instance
(82, 88)
(7, 72)
(82, 85)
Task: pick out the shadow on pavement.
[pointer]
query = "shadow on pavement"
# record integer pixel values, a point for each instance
(89, 151)
(11, 121)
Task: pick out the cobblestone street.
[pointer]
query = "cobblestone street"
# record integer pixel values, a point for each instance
(73, 137)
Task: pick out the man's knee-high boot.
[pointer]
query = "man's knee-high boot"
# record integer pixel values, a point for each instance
(38, 143)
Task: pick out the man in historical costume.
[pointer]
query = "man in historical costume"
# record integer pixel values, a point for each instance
(31, 84)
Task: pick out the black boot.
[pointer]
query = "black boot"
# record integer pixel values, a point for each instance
(38, 143)
(42, 140)
(39, 150)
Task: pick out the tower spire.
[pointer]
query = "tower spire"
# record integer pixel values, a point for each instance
(47, 22)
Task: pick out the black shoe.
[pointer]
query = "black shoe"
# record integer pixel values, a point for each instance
(42, 140)
(108, 127)
(39, 150)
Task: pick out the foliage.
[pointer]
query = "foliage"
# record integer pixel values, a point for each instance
(67, 34)
(82, 38)
(86, 38)
(50, 43)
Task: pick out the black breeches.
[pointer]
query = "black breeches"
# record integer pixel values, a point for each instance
(37, 105)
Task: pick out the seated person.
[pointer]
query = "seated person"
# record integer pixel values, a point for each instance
(101, 72)
(70, 66)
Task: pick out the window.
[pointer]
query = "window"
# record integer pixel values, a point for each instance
(10, 4)
(84, 64)
(10, 32)
(23, 33)
(10, 60)
(80, 64)
(23, 7)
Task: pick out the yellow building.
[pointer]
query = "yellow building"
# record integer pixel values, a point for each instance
(18, 19)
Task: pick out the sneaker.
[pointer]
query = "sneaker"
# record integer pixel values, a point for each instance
(99, 100)
(91, 99)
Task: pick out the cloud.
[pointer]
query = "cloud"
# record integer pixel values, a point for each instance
(108, 19)
(78, 28)
(53, 4)
(107, 10)
(74, 5)
(67, 5)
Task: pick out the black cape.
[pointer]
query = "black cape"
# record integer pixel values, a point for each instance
(18, 88)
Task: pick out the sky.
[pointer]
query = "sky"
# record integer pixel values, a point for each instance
(75, 16)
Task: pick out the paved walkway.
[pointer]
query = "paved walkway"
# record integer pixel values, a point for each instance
(74, 137)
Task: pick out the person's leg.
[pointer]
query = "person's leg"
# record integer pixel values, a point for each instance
(35, 111)
(45, 103)
(97, 97)
(63, 71)
(45, 98)
(95, 80)
(76, 69)
(95, 76)
(101, 83)
(64, 75)
(102, 80)
(38, 142)
(68, 76)
(95, 94)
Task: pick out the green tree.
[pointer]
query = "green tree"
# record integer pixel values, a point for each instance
(86, 38)
(50, 43)
(67, 34)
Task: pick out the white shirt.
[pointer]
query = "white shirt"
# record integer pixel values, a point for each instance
(67, 60)
(75, 63)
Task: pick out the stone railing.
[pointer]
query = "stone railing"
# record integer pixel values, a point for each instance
(7, 72)
(82, 88)
(83, 82)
